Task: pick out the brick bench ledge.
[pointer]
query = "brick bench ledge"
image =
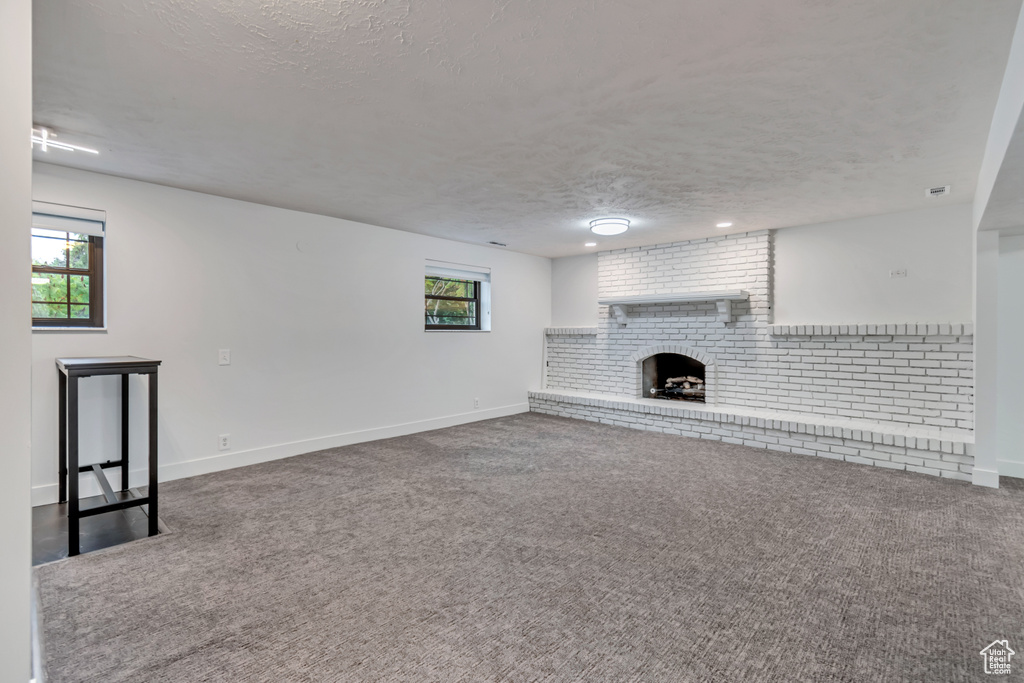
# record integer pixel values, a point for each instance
(952, 441)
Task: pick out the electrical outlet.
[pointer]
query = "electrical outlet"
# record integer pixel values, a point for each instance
(224, 357)
(224, 442)
(902, 272)
(476, 403)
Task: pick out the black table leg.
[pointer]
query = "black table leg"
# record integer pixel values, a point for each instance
(72, 465)
(124, 432)
(153, 512)
(62, 435)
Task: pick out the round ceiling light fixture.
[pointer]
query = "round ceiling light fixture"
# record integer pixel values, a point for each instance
(588, 244)
(726, 224)
(609, 226)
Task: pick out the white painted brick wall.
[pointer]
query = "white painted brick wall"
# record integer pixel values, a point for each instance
(909, 374)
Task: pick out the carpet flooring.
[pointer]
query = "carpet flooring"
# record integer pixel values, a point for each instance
(536, 548)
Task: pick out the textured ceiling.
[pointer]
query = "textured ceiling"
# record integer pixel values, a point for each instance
(519, 121)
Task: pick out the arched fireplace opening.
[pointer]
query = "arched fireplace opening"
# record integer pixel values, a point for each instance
(674, 377)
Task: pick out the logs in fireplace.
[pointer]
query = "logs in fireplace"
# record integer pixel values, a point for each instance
(674, 377)
(687, 388)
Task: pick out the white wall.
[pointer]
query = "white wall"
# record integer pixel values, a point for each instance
(574, 291)
(15, 341)
(1005, 120)
(1010, 387)
(839, 272)
(998, 207)
(986, 361)
(327, 342)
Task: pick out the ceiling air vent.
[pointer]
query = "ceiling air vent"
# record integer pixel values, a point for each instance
(941, 191)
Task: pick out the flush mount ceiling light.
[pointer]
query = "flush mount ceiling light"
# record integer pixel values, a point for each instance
(723, 225)
(590, 244)
(45, 139)
(609, 226)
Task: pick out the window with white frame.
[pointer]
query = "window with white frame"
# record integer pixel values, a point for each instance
(67, 266)
(457, 297)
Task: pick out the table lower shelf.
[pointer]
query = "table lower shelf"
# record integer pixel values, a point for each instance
(114, 502)
(50, 528)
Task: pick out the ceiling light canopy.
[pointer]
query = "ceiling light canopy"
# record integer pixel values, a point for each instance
(45, 139)
(609, 226)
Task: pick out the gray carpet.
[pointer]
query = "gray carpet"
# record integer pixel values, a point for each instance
(538, 548)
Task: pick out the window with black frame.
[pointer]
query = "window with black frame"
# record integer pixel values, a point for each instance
(67, 270)
(452, 303)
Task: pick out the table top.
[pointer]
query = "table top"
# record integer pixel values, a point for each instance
(99, 362)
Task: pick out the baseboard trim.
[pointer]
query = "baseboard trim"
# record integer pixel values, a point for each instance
(1011, 469)
(980, 477)
(48, 493)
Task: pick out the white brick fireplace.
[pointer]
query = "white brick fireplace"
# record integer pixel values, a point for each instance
(891, 395)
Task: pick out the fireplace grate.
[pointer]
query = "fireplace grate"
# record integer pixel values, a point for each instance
(688, 388)
(674, 377)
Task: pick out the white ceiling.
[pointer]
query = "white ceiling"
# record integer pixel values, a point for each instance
(520, 120)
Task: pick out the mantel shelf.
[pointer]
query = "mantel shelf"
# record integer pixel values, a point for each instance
(723, 300)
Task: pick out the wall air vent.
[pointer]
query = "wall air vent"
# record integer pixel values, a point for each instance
(941, 191)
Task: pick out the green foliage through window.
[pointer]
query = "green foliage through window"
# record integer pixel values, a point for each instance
(66, 279)
(452, 304)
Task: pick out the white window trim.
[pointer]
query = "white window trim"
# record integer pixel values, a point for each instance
(465, 271)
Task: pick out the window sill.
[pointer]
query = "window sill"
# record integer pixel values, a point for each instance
(70, 329)
(456, 331)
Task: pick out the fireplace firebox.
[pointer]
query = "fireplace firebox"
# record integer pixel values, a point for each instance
(674, 377)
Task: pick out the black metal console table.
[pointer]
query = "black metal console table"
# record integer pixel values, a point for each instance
(69, 370)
